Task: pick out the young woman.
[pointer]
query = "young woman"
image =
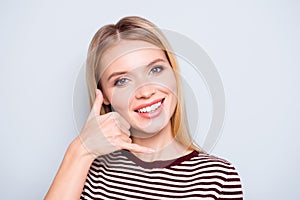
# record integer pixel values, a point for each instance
(136, 142)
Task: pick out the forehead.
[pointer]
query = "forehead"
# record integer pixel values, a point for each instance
(129, 54)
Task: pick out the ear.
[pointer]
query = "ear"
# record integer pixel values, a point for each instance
(105, 100)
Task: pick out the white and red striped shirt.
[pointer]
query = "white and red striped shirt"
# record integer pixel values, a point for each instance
(121, 175)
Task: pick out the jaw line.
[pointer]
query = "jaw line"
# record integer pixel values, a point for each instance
(140, 134)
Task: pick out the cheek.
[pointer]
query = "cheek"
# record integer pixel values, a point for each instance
(167, 81)
(120, 99)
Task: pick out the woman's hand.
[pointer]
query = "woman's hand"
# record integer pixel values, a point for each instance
(103, 134)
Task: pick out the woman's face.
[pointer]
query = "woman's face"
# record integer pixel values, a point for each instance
(139, 83)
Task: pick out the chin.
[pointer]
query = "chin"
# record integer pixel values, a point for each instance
(149, 129)
(144, 133)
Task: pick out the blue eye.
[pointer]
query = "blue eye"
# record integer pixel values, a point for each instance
(121, 81)
(156, 69)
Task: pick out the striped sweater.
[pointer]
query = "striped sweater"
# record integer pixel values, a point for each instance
(121, 175)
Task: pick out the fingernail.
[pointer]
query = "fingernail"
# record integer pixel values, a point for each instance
(97, 92)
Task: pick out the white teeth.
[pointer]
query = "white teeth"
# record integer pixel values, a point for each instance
(150, 108)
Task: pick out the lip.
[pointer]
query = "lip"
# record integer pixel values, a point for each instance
(148, 104)
(152, 114)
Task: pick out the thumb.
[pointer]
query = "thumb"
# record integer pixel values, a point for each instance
(98, 102)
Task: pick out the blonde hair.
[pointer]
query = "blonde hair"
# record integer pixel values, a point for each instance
(136, 28)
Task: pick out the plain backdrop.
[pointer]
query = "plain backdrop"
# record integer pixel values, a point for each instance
(255, 48)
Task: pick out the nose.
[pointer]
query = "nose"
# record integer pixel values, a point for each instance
(145, 92)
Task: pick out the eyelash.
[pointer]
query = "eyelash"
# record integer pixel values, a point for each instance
(118, 81)
(158, 67)
(154, 70)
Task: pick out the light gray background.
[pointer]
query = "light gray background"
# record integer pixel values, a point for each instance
(254, 45)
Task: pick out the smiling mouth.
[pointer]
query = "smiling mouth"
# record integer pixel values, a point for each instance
(150, 108)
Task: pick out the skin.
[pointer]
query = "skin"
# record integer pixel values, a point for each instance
(145, 76)
(143, 81)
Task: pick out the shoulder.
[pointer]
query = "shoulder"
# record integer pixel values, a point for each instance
(220, 171)
(209, 166)
(221, 167)
(204, 158)
(206, 161)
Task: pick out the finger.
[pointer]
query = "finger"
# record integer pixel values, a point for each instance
(124, 138)
(136, 148)
(109, 122)
(98, 102)
(120, 120)
(124, 130)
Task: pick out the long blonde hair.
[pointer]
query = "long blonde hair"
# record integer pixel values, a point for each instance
(136, 28)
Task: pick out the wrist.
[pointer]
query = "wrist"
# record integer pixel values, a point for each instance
(71, 176)
(77, 150)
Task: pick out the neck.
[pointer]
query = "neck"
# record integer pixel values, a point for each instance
(164, 143)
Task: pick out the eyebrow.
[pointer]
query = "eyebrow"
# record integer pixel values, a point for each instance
(124, 72)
